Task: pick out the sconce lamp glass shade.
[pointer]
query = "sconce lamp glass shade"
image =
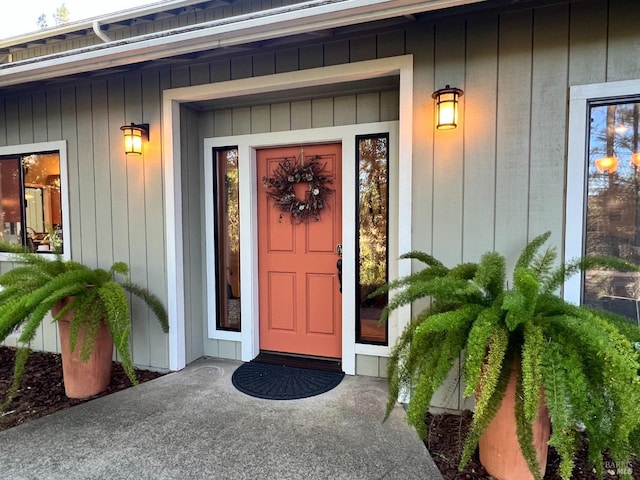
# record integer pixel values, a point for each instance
(447, 107)
(133, 137)
(635, 160)
(607, 164)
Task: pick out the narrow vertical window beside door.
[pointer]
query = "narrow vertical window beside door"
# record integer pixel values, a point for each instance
(227, 239)
(371, 245)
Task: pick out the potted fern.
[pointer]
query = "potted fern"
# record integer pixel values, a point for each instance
(91, 307)
(577, 365)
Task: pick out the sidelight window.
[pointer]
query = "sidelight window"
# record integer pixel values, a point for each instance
(372, 236)
(227, 238)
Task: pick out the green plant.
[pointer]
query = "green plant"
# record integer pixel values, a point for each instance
(584, 360)
(38, 283)
(54, 240)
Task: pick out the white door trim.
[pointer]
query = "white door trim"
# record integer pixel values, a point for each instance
(248, 186)
(401, 66)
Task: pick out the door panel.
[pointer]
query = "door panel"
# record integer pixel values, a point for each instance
(300, 301)
(281, 301)
(316, 305)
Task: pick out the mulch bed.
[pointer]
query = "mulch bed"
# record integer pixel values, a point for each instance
(445, 439)
(42, 389)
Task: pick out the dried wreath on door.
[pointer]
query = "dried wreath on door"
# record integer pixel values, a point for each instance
(281, 187)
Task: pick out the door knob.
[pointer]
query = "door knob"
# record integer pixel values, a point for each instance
(339, 267)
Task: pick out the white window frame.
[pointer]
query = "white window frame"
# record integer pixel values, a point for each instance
(61, 147)
(579, 98)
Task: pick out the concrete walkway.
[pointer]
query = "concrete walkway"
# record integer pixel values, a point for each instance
(193, 424)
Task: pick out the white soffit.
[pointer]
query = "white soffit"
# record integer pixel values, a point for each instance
(268, 24)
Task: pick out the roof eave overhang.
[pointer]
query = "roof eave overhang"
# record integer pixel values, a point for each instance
(297, 19)
(75, 27)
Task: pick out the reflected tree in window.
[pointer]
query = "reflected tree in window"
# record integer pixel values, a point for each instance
(613, 206)
(372, 234)
(227, 237)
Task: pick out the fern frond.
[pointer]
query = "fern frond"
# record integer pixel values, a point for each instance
(434, 269)
(430, 380)
(491, 275)
(480, 336)
(569, 269)
(531, 250)
(542, 265)
(464, 271)
(520, 302)
(152, 301)
(22, 354)
(40, 310)
(423, 257)
(404, 365)
(532, 351)
(12, 314)
(447, 289)
(498, 343)
(119, 267)
(424, 275)
(556, 388)
(86, 314)
(410, 357)
(524, 431)
(117, 320)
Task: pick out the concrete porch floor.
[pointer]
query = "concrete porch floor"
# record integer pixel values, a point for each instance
(194, 424)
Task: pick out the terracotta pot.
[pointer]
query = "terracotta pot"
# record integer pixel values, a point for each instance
(500, 452)
(83, 380)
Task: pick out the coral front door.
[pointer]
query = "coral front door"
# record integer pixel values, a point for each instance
(300, 299)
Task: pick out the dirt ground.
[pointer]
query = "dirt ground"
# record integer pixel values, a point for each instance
(42, 389)
(445, 440)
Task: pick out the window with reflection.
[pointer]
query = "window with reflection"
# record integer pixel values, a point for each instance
(371, 246)
(227, 238)
(31, 204)
(613, 205)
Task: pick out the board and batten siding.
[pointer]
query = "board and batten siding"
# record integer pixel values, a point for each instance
(495, 182)
(499, 179)
(115, 201)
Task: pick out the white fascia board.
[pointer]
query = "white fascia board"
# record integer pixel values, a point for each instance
(300, 18)
(87, 23)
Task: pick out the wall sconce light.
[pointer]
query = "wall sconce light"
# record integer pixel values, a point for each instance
(607, 164)
(134, 134)
(635, 160)
(447, 107)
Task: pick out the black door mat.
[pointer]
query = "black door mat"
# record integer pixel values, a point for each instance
(300, 361)
(279, 382)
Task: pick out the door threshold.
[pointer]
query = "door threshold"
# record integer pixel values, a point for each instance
(300, 361)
